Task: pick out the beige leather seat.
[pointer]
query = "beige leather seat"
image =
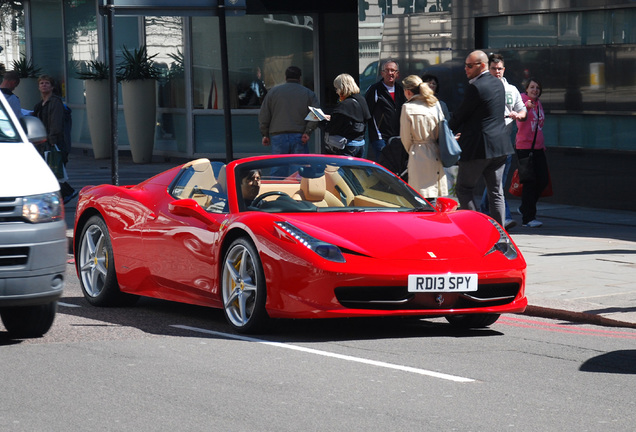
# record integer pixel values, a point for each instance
(218, 201)
(221, 182)
(315, 191)
(201, 179)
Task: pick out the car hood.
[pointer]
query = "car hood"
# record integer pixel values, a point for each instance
(390, 235)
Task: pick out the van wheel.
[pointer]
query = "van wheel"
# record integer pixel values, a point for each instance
(96, 267)
(28, 321)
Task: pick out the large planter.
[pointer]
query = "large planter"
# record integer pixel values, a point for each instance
(140, 112)
(28, 92)
(98, 115)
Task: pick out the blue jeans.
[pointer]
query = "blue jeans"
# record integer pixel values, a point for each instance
(484, 207)
(290, 143)
(353, 148)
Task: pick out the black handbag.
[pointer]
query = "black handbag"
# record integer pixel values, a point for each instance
(526, 164)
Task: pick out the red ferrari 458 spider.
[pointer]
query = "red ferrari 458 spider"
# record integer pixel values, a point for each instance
(294, 236)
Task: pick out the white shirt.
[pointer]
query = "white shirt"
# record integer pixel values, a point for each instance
(513, 103)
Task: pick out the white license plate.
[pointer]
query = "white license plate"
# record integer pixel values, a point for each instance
(448, 282)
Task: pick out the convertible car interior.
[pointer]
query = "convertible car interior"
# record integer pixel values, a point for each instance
(308, 188)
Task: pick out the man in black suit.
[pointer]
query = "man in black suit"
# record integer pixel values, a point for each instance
(485, 146)
(385, 99)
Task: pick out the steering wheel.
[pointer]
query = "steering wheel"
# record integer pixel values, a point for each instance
(259, 199)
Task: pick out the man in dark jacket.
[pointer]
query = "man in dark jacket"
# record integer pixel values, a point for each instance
(385, 99)
(483, 140)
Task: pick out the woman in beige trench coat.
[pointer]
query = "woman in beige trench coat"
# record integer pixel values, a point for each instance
(419, 130)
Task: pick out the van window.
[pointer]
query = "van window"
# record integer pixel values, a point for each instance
(7, 131)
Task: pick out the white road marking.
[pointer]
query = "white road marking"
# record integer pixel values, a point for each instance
(334, 355)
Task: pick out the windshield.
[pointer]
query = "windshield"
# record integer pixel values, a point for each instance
(322, 184)
(8, 133)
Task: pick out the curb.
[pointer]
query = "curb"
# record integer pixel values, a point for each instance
(578, 317)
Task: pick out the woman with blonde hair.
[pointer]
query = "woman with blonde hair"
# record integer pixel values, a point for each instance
(347, 123)
(419, 130)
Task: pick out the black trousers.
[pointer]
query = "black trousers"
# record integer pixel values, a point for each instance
(532, 189)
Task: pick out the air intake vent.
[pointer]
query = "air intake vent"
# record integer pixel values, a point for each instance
(14, 256)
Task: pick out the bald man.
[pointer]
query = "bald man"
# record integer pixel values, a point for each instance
(485, 145)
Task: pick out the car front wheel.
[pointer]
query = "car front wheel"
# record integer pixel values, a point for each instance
(96, 266)
(243, 287)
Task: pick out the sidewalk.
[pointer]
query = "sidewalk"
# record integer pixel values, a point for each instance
(581, 263)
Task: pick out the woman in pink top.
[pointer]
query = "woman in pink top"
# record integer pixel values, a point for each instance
(527, 130)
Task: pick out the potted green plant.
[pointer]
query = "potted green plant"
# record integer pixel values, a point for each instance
(28, 90)
(138, 75)
(95, 75)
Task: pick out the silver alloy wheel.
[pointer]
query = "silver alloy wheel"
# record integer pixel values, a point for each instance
(240, 285)
(93, 261)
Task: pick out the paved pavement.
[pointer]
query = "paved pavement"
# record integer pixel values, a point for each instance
(581, 263)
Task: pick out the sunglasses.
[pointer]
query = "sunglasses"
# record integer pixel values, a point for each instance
(471, 65)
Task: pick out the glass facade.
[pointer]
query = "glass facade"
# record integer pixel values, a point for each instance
(581, 58)
(12, 34)
(260, 48)
(64, 36)
(581, 54)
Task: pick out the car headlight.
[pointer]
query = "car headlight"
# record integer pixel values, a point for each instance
(504, 244)
(326, 250)
(43, 208)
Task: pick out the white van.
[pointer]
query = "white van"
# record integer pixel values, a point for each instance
(33, 245)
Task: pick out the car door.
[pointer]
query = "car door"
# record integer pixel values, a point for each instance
(182, 240)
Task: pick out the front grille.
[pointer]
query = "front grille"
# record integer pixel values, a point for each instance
(398, 297)
(10, 209)
(14, 256)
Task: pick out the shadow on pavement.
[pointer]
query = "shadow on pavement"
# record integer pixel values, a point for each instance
(616, 362)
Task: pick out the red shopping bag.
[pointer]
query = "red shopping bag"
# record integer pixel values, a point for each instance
(516, 187)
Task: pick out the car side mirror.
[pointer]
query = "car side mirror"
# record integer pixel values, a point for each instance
(444, 205)
(189, 208)
(34, 129)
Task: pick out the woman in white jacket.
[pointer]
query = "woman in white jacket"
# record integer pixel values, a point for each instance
(419, 130)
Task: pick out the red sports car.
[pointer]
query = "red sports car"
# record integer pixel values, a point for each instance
(294, 236)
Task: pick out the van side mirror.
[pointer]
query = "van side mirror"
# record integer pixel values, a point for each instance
(34, 129)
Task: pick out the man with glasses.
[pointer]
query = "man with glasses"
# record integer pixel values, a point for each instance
(483, 140)
(515, 110)
(385, 99)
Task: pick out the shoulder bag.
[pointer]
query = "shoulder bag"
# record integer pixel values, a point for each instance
(55, 160)
(449, 148)
(337, 141)
(525, 164)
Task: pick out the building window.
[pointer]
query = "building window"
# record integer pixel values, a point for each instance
(12, 33)
(82, 46)
(260, 48)
(165, 40)
(560, 29)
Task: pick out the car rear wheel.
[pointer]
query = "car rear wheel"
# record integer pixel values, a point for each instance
(472, 320)
(243, 287)
(29, 321)
(96, 267)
